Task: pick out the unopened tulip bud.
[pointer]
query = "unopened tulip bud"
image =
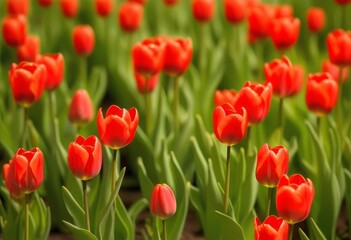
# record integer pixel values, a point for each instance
(81, 108)
(14, 30)
(163, 202)
(83, 39)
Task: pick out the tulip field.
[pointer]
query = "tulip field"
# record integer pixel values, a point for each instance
(175, 119)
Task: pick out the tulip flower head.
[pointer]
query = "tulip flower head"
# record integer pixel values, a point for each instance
(45, 3)
(8, 173)
(203, 10)
(104, 7)
(315, 19)
(272, 164)
(148, 56)
(178, 55)
(235, 10)
(223, 96)
(334, 70)
(69, 8)
(285, 32)
(272, 228)
(17, 7)
(260, 17)
(29, 50)
(339, 47)
(163, 202)
(81, 108)
(146, 85)
(14, 30)
(27, 82)
(256, 99)
(130, 15)
(283, 11)
(85, 157)
(170, 2)
(28, 170)
(138, 1)
(321, 93)
(342, 2)
(83, 39)
(294, 198)
(230, 124)
(55, 65)
(118, 128)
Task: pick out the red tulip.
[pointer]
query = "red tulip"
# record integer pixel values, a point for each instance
(283, 11)
(334, 70)
(55, 65)
(235, 10)
(339, 47)
(81, 108)
(343, 2)
(130, 15)
(229, 124)
(27, 81)
(163, 203)
(69, 8)
(17, 7)
(299, 77)
(14, 30)
(85, 157)
(83, 39)
(260, 18)
(321, 93)
(118, 129)
(28, 169)
(256, 99)
(203, 10)
(315, 19)
(148, 56)
(272, 163)
(282, 75)
(104, 7)
(224, 96)
(138, 1)
(294, 198)
(285, 32)
(30, 50)
(178, 54)
(146, 85)
(170, 2)
(8, 173)
(273, 228)
(45, 3)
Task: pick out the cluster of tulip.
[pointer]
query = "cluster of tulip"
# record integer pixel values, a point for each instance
(227, 204)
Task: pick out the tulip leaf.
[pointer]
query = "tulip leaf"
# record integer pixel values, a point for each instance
(145, 183)
(80, 233)
(317, 233)
(73, 207)
(104, 212)
(200, 163)
(97, 84)
(125, 227)
(137, 208)
(231, 229)
(303, 235)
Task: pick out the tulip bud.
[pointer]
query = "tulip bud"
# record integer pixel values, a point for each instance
(203, 10)
(30, 50)
(230, 124)
(272, 164)
(45, 3)
(69, 8)
(146, 85)
(55, 65)
(294, 198)
(235, 10)
(27, 82)
(14, 30)
(118, 128)
(223, 96)
(130, 15)
(104, 7)
(285, 32)
(272, 228)
(81, 108)
(260, 17)
(339, 47)
(83, 39)
(321, 93)
(17, 7)
(85, 157)
(163, 202)
(315, 19)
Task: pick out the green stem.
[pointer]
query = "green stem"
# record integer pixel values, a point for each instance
(83, 72)
(318, 126)
(26, 217)
(291, 231)
(339, 114)
(281, 119)
(227, 182)
(164, 230)
(269, 203)
(343, 16)
(86, 205)
(25, 127)
(115, 169)
(248, 136)
(259, 60)
(148, 107)
(313, 41)
(202, 52)
(176, 104)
